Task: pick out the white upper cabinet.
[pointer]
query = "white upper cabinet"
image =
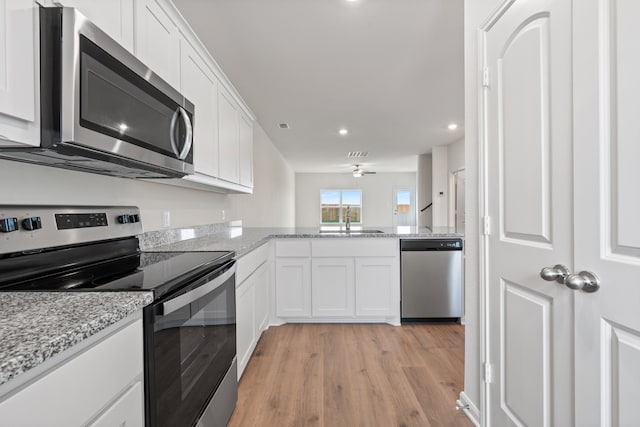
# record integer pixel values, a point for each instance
(19, 74)
(114, 17)
(199, 85)
(229, 136)
(158, 40)
(246, 151)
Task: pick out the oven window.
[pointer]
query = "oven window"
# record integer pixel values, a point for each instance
(194, 348)
(117, 102)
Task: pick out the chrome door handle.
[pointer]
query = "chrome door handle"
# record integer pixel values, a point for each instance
(584, 281)
(188, 139)
(558, 273)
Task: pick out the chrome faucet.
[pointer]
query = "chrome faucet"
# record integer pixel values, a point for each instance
(348, 221)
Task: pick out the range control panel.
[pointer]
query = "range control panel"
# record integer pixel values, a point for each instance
(28, 228)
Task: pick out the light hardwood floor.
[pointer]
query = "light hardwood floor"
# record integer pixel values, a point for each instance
(354, 375)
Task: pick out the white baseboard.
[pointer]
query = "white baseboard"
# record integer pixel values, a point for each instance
(470, 410)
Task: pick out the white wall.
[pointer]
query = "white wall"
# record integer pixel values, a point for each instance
(272, 203)
(377, 195)
(456, 155)
(31, 184)
(425, 190)
(440, 185)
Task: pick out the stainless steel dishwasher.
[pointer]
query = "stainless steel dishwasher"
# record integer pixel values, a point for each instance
(431, 279)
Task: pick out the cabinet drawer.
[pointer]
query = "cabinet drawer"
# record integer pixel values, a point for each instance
(249, 262)
(355, 247)
(73, 393)
(293, 248)
(126, 411)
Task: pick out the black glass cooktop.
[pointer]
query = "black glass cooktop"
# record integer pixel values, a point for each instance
(84, 269)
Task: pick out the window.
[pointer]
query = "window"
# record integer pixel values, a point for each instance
(334, 203)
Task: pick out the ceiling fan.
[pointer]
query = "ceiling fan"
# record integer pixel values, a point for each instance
(358, 171)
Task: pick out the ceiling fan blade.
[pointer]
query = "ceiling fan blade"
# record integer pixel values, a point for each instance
(368, 173)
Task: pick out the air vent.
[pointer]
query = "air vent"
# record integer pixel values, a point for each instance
(357, 154)
(284, 126)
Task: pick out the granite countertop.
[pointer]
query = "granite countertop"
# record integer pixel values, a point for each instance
(244, 239)
(35, 326)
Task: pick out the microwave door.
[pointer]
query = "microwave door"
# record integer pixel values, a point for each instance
(114, 104)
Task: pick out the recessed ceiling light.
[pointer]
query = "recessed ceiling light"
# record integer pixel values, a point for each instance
(343, 131)
(452, 126)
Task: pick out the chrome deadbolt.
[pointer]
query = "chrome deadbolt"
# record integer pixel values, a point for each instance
(558, 273)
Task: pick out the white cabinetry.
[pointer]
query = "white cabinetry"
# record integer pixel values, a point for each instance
(252, 302)
(199, 85)
(158, 40)
(376, 279)
(350, 280)
(332, 282)
(293, 287)
(229, 136)
(97, 384)
(19, 72)
(114, 17)
(246, 150)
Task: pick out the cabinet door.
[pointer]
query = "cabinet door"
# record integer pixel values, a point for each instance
(229, 135)
(246, 151)
(375, 281)
(332, 282)
(245, 322)
(127, 411)
(158, 40)
(199, 85)
(113, 17)
(19, 76)
(261, 299)
(293, 287)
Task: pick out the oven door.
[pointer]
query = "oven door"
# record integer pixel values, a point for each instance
(190, 345)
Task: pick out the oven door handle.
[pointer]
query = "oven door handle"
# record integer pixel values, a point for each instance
(186, 299)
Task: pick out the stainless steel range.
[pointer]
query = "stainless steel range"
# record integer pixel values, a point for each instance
(189, 330)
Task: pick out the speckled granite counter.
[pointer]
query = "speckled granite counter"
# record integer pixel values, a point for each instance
(35, 326)
(245, 239)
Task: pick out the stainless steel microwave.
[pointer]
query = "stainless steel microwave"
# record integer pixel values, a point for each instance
(102, 109)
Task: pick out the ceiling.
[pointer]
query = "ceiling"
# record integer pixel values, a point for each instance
(390, 71)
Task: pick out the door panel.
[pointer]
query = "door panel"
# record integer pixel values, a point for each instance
(526, 392)
(621, 375)
(607, 241)
(524, 113)
(529, 200)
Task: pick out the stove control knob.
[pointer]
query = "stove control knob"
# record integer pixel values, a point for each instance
(124, 219)
(135, 218)
(33, 223)
(7, 225)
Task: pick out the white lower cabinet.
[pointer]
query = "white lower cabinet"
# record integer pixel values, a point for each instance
(332, 287)
(252, 303)
(293, 287)
(350, 279)
(126, 411)
(98, 383)
(375, 281)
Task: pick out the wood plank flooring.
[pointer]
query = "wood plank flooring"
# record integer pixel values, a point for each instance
(326, 375)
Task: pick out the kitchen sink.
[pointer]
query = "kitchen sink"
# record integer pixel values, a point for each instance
(364, 231)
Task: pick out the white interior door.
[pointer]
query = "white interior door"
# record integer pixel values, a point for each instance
(529, 201)
(607, 193)
(404, 207)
